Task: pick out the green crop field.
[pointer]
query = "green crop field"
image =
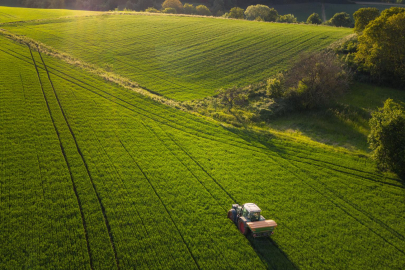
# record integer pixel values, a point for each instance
(96, 176)
(12, 14)
(181, 57)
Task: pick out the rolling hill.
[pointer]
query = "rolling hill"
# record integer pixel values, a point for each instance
(96, 176)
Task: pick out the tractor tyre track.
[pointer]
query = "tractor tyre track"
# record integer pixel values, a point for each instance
(162, 142)
(161, 201)
(67, 163)
(85, 164)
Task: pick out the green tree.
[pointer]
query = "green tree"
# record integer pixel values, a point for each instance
(363, 17)
(288, 18)
(381, 50)
(387, 137)
(189, 9)
(262, 11)
(218, 6)
(314, 18)
(176, 4)
(316, 80)
(341, 19)
(236, 13)
(203, 10)
(169, 10)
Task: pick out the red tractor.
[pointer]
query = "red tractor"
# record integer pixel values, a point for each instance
(247, 217)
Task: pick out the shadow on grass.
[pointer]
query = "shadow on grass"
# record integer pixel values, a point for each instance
(343, 125)
(271, 255)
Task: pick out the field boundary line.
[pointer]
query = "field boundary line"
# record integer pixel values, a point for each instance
(66, 161)
(85, 164)
(246, 146)
(161, 201)
(93, 69)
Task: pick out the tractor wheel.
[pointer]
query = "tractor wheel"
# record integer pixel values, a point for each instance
(232, 215)
(243, 228)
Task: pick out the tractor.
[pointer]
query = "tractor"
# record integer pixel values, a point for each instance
(247, 217)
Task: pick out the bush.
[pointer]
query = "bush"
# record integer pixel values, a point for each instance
(387, 137)
(169, 10)
(275, 86)
(341, 19)
(314, 18)
(259, 19)
(189, 9)
(152, 10)
(381, 50)
(363, 17)
(262, 11)
(203, 10)
(176, 4)
(288, 18)
(316, 80)
(236, 13)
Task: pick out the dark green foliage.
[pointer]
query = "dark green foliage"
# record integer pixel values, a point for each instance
(288, 18)
(152, 10)
(232, 97)
(341, 19)
(314, 18)
(363, 17)
(387, 137)
(189, 9)
(218, 7)
(176, 4)
(262, 11)
(314, 81)
(236, 13)
(169, 10)
(381, 50)
(203, 10)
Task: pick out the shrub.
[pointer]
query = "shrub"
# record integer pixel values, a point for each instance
(266, 13)
(275, 86)
(189, 9)
(288, 18)
(259, 19)
(176, 4)
(203, 10)
(232, 97)
(236, 13)
(387, 137)
(316, 80)
(341, 19)
(314, 18)
(169, 10)
(363, 17)
(152, 10)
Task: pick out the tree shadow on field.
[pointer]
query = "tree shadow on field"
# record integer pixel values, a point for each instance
(271, 255)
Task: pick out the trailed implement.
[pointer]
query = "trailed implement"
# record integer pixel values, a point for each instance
(247, 217)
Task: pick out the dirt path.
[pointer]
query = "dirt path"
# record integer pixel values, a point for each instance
(323, 13)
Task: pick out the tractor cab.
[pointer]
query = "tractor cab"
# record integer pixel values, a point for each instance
(250, 211)
(247, 217)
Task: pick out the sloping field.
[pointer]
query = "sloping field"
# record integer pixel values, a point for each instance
(182, 57)
(95, 176)
(12, 14)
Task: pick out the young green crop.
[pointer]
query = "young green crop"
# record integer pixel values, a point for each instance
(182, 57)
(132, 183)
(12, 14)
